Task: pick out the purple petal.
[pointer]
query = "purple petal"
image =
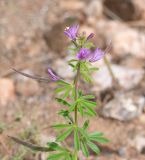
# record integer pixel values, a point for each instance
(90, 36)
(52, 76)
(71, 31)
(83, 54)
(97, 55)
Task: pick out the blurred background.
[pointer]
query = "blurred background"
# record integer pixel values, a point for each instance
(32, 39)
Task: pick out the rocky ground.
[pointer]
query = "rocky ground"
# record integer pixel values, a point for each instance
(32, 39)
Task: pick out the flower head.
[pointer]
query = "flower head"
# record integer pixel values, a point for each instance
(86, 54)
(71, 31)
(96, 55)
(83, 54)
(52, 76)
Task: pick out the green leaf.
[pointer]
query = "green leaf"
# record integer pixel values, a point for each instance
(58, 90)
(61, 126)
(94, 147)
(89, 103)
(83, 133)
(57, 156)
(88, 97)
(90, 111)
(98, 137)
(64, 113)
(66, 93)
(96, 134)
(63, 83)
(76, 139)
(54, 146)
(62, 101)
(101, 140)
(86, 125)
(84, 149)
(64, 135)
(86, 76)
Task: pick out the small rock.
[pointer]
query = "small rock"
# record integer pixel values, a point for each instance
(127, 77)
(94, 9)
(124, 107)
(138, 142)
(7, 91)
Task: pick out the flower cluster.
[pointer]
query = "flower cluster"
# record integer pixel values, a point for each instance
(84, 53)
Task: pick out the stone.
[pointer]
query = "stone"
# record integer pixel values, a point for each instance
(125, 40)
(126, 76)
(7, 91)
(124, 106)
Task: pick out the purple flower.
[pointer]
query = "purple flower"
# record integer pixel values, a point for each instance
(96, 55)
(52, 76)
(83, 54)
(71, 31)
(86, 54)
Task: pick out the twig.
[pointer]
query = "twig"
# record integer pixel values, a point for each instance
(24, 65)
(30, 145)
(41, 79)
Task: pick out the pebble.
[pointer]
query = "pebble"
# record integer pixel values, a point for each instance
(124, 107)
(7, 91)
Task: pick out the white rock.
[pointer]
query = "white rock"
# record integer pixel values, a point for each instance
(138, 142)
(124, 107)
(125, 40)
(127, 77)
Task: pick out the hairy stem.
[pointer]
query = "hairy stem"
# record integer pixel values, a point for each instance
(75, 98)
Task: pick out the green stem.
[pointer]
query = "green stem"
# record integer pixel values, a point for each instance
(76, 109)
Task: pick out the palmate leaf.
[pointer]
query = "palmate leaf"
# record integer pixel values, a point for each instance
(90, 111)
(64, 135)
(65, 88)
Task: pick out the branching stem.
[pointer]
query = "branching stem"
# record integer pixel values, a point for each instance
(75, 98)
